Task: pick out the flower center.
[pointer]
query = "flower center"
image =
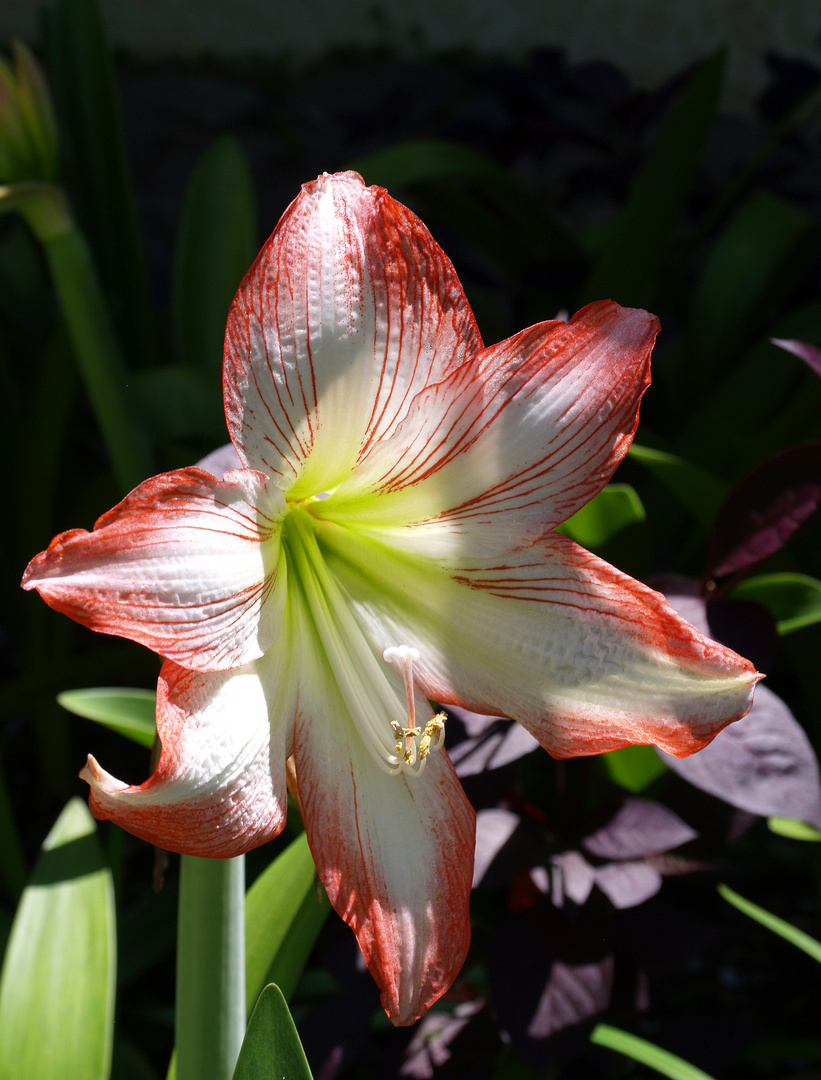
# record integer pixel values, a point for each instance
(371, 691)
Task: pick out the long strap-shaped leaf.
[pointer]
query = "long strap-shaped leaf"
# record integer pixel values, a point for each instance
(809, 945)
(57, 987)
(647, 1053)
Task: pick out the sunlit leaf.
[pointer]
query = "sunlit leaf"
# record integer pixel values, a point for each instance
(494, 827)
(786, 930)
(57, 986)
(283, 917)
(628, 884)
(765, 764)
(793, 599)
(271, 1049)
(792, 829)
(803, 350)
(615, 508)
(633, 767)
(646, 1053)
(639, 827)
(128, 710)
(491, 742)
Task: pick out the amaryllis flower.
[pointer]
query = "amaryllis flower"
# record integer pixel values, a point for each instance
(387, 541)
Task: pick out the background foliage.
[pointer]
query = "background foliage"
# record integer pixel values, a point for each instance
(549, 186)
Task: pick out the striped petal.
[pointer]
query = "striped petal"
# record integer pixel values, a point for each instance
(219, 788)
(186, 564)
(515, 441)
(395, 854)
(349, 311)
(586, 658)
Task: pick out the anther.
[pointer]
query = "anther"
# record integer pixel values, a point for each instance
(413, 743)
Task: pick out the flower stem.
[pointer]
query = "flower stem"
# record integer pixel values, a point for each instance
(210, 1007)
(98, 354)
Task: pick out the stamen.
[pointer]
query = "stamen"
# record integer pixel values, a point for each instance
(413, 743)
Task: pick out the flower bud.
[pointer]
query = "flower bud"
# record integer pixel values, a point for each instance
(28, 130)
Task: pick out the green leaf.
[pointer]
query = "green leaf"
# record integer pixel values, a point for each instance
(81, 71)
(633, 767)
(751, 267)
(646, 1053)
(421, 161)
(215, 247)
(699, 490)
(271, 1049)
(125, 709)
(182, 403)
(283, 917)
(778, 926)
(637, 243)
(792, 829)
(615, 508)
(794, 600)
(57, 986)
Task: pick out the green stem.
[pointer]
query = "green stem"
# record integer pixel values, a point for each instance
(210, 1009)
(95, 345)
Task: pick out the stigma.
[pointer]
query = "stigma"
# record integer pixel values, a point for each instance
(414, 741)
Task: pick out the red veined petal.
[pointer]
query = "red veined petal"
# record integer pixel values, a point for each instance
(219, 787)
(349, 310)
(514, 441)
(186, 564)
(586, 658)
(395, 854)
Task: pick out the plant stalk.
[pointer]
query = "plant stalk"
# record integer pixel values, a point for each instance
(210, 1006)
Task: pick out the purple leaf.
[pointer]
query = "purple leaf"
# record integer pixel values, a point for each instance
(746, 627)
(640, 827)
(572, 993)
(494, 828)
(765, 510)
(492, 742)
(430, 1048)
(221, 461)
(574, 877)
(549, 976)
(808, 353)
(627, 884)
(763, 764)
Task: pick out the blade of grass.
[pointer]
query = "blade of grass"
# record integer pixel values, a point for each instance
(786, 930)
(646, 1053)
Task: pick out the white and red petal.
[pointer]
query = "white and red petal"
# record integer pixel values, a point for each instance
(586, 658)
(186, 564)
(513, 442)
(219, 787)
(395, 854)
(349, 311)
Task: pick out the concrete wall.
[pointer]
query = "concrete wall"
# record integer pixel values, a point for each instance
(650, 39)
